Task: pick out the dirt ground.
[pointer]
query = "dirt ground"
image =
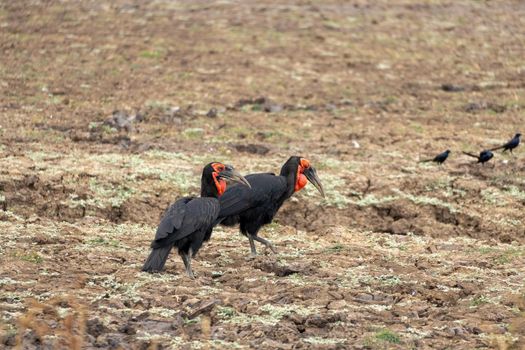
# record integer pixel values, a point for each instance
(109, 110)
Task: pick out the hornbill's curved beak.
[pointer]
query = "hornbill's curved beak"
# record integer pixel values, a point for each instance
(229, 173)
(311, 175)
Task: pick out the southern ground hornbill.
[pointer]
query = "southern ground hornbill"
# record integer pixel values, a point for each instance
(255, 207)
(189, 222)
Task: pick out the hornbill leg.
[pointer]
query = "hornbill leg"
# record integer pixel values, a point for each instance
(252, 246)
(265, 242)
(186, 258)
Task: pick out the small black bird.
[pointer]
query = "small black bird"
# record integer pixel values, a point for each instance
(440, 158)
(484, 156)
(255, 207)
(189, 222)
(513, 143)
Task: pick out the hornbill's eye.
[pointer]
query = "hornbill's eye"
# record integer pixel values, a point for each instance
(218, 167)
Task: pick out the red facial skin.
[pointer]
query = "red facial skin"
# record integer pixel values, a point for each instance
(301, 179)
(219, 184)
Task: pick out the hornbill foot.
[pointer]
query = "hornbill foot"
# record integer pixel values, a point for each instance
(272, 248)
(251, 257)
(266, 243)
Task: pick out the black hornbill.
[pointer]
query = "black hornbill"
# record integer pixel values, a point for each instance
(440, 158)
(189, 222)
(256, 206)
(510, 145)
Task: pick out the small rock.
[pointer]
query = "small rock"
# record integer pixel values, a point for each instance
(335, 295)
(30, 181)
(472, 107)
(127, 329)
(330, 107)
(8, 339)
(212, 113)
(366, 298)
(321, 320)
(252, 148)
(496, 108)
(452, 88)
(121, 120)
(337, 305)
(400, 227)
(295, 318)
(270, 107)
(272, 344)
(205, 307)
(95, 327)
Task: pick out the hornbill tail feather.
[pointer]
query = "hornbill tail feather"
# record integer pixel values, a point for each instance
(156, 259)
(470, 155)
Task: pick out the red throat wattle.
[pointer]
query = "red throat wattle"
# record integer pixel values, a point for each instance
(219, 184)
(301, 181)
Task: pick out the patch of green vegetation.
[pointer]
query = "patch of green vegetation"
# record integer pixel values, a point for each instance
(479, 300)
(273, 314)
(116, 288)
(515, 192)
(493, 196)
(226, 312)
(279, 311)
(510, 222)
(438, 184)
(106, 194)
(32, 257)
(389, 280)
(487, 250)
(158, 104)
(335, 248)
(298, 280)
(43, 156)
(272, 227)
(332, 163)
(427, 201)
(510, 255)
(193, 133)
(152, 54)
(417, 127)
(388, 336)
(373, 200)
(190, 321)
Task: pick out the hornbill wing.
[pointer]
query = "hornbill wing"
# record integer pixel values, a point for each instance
(238, 198)
(172, 218)
(199, 213)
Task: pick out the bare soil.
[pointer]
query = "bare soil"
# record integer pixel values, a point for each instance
(109, 110)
